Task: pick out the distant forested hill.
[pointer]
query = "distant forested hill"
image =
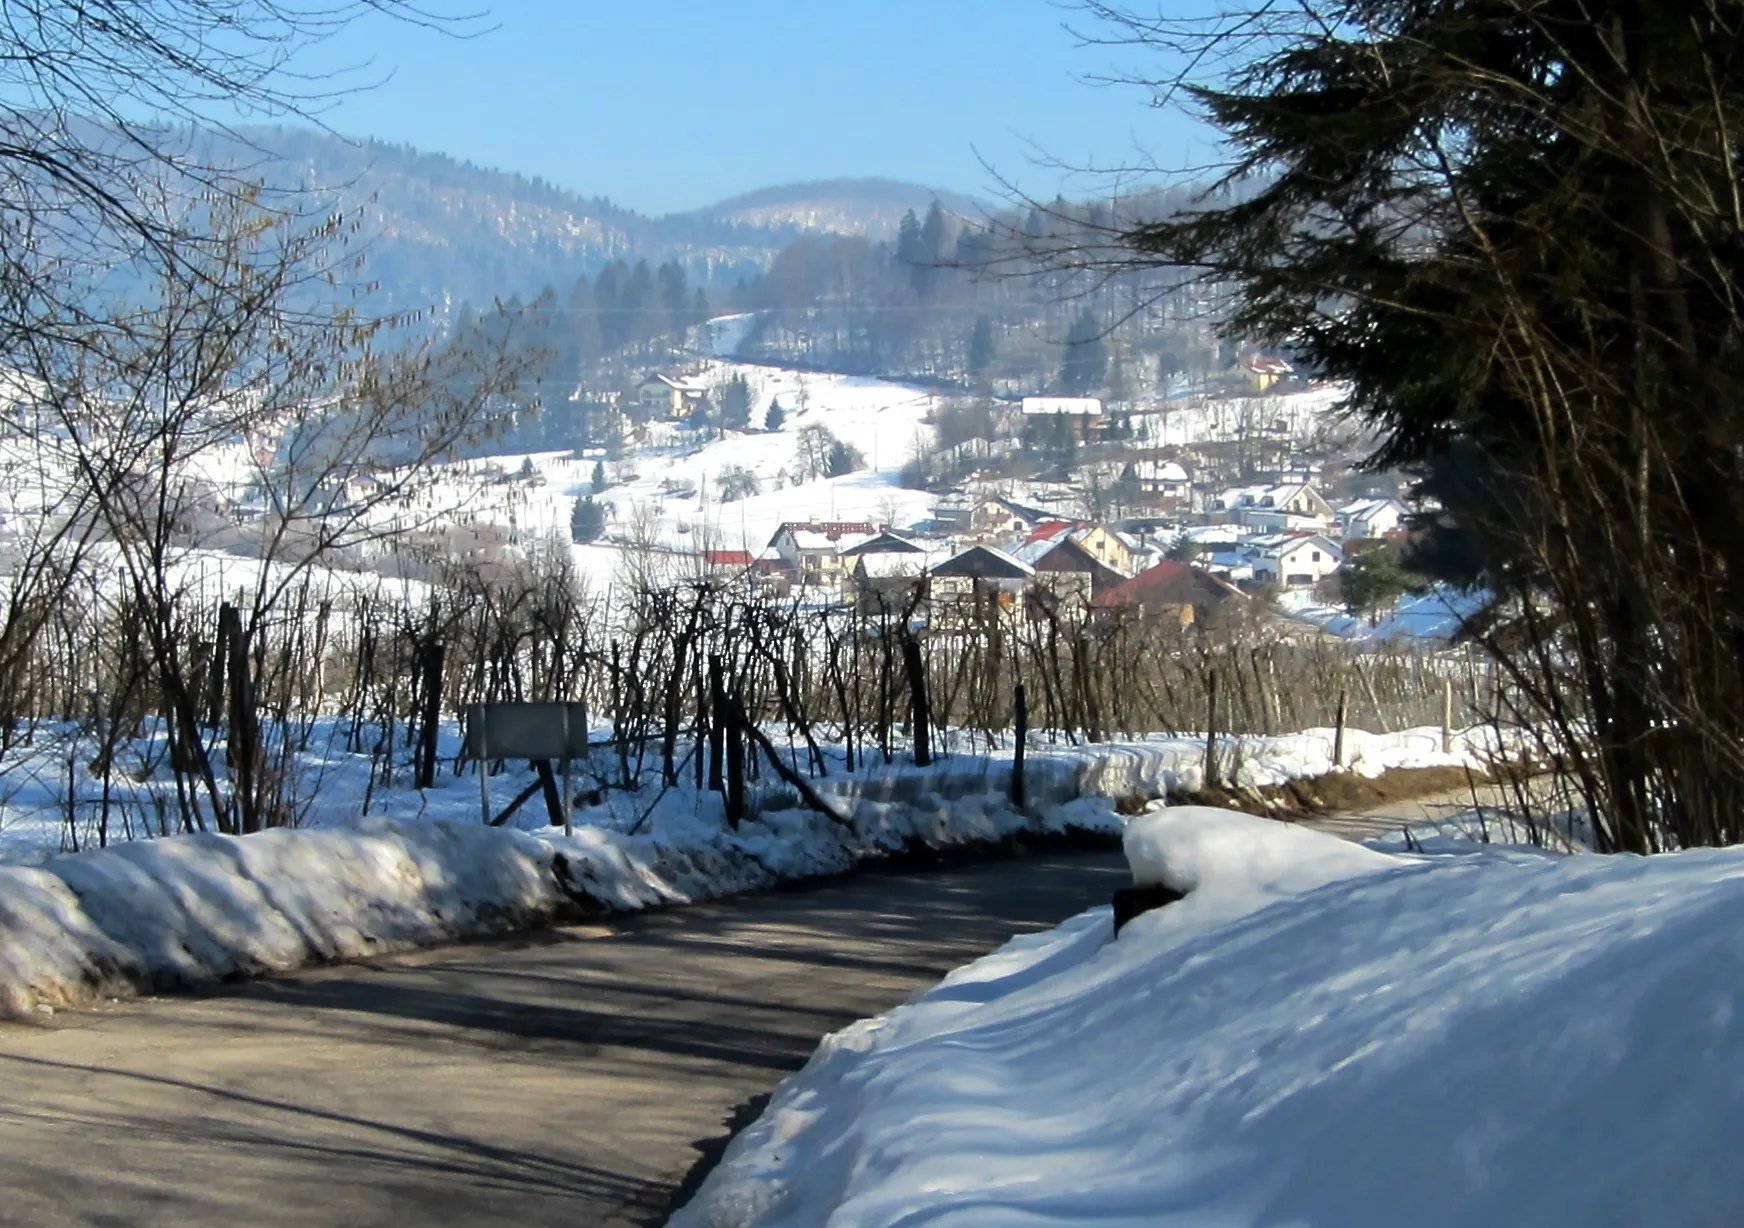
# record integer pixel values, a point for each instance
(441, 231)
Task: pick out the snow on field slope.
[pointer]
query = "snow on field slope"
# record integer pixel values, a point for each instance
(675, 478)
(1438, 614)
(1317, 1035)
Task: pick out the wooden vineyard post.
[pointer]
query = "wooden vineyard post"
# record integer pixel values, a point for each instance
(1447, 716)
(923, 714)
(735, 721)
(1338, 732)
(431, 657)
(244, 746)
(1211, 730)
(718, 723)
(1020, 735)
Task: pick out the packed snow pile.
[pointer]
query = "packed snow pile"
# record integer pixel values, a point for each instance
(1209, 853)
(381, 868)
(189, 909)
(203, 908)
(1315, 1035)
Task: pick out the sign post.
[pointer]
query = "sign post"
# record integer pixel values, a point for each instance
(540, 732)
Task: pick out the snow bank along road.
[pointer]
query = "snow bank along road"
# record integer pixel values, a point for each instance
(563, 1077)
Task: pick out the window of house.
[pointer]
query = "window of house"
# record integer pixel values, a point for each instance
(1317, 556)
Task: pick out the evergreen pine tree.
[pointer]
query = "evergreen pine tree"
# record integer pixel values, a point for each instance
(1086, 361)
(981, 346)
(736, 404)
(587, 520)
(774, 416)
(598, 480)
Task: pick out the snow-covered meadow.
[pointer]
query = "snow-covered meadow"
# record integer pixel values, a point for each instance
(1317, 1034)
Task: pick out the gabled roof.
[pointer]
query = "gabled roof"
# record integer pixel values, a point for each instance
(1283, 543)
(1367, 507)
(1050, 531)
(1265, 494)
(1168, 583)
(986, 563)
(894, 566)
(886, 543)
(727, 558)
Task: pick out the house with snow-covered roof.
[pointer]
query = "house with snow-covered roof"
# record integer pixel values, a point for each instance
(1275, 507)
(893, 581)
(883, 542)
(1160, 482)
(812, 550)
(1373, 517)
(1092, 550)
(669, 396)
(1295, 560)
(978, 581)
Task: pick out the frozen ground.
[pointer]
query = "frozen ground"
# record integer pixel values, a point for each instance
(375, 866)
(1318, 1034)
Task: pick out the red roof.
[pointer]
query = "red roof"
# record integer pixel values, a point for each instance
(1168, 583)
(727, 558)
(1049, 529)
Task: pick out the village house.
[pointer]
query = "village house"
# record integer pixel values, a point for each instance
(718, 562)
(669, 396)
(993, 516)
(1375, 517)
(1160, 483)
(1060, 548)
(1275, 507)
(1045, 419)
(1174, 592)
(1295, 560)
(893, 581)
(976, 582)
(1264, 370)
(952, 511)
(812, 550)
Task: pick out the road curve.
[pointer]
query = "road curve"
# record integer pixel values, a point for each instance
(567, 1077)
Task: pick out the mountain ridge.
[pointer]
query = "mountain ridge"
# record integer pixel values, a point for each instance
(442, 230)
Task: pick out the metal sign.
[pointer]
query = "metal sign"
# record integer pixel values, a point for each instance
(526, 731)
(536, 731)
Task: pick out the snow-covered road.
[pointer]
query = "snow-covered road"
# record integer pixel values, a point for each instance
(565, 1077)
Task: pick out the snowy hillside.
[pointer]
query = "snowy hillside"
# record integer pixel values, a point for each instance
(669, 488)
(1318, 1034)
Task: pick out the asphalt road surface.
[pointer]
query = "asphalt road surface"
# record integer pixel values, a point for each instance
(569, 1077)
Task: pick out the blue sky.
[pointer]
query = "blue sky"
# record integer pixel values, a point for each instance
(666, 105)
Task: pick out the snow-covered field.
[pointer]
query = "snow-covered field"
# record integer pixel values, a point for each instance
(1318, 1034)
(674, 480)
(1438, 614)
(377, 868)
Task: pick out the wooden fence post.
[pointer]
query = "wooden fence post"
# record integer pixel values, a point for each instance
(735, 721)
(244, 744)
(1020, 734)
(431, 657)
(1447, 716)
(1211, 730)
(1338, 732)
(717, 732)
(923, 713)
